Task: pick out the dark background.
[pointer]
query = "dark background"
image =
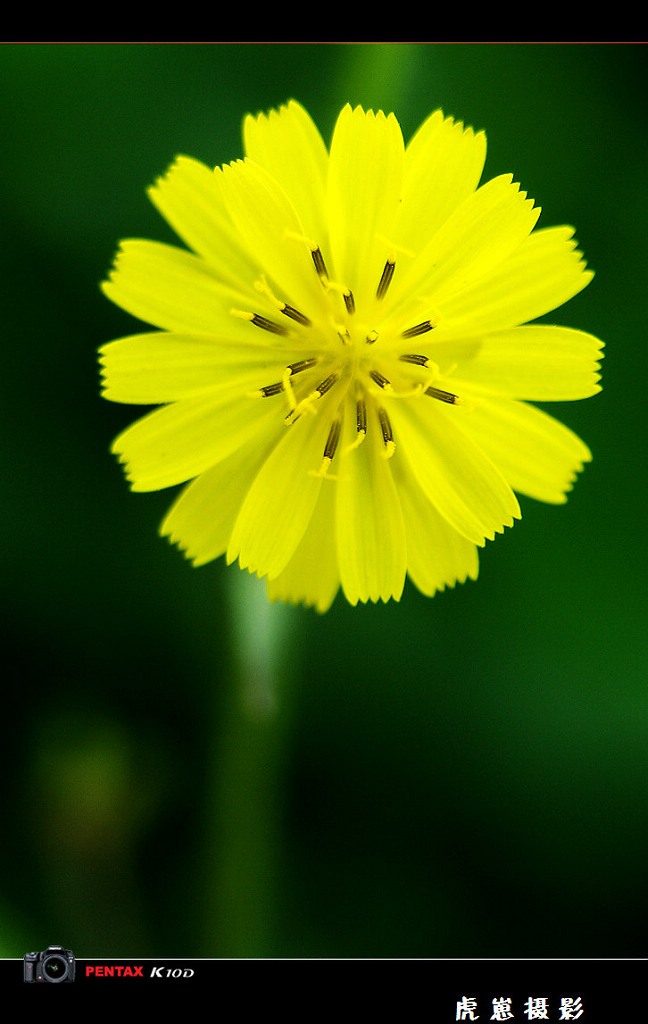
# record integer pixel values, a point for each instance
(188, 771)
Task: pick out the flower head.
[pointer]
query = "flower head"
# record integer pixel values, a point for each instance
(339, 358)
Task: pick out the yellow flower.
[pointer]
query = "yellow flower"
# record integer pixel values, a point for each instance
(340, 365)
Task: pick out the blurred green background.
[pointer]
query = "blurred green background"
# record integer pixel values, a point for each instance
(188, 771)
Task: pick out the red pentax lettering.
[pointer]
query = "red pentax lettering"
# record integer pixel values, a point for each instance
(114, 971)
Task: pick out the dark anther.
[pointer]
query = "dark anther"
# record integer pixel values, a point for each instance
(385, 280)
(443, 396)
(423, 328)
(268, 325)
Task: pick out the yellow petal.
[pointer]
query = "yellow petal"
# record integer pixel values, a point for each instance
(544, 272)
(370, 533)
(281, 499)
(453, 472)
(288, 145)
(179, 441)
(312, 575)
(538, 363)
(437, 556)
(149, 369)
(200, 522)
(189, 198)
(167, 287)
(271, 231)
(443, 165)
(477, 236)
(364, 192)
(538, 455)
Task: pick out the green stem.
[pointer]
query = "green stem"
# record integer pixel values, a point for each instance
(248, 775)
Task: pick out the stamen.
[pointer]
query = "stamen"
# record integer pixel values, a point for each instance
(385, 280)
(332, 441)
(415, 359)
(343, 333)
(268, 325)
(292, 368)
(329, 451)
(262, 286)
(381, 381)
(315, 251)
(329, 285)
(270, 390)
(318, 260)
(388, 437)
(422, 328)
(303, 364)
(443, 396)
(326, 384)
(307, 402)
(344, 290)
(372, 337)
(361, 419)
(294, 314)
(361, 424)
(288, 388)
(260, 321)
(284, 384)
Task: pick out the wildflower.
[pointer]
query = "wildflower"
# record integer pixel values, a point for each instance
(343, 376)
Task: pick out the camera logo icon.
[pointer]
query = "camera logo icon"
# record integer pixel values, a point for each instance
(53, 965)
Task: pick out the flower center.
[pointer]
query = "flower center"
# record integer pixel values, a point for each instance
(345, 355)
